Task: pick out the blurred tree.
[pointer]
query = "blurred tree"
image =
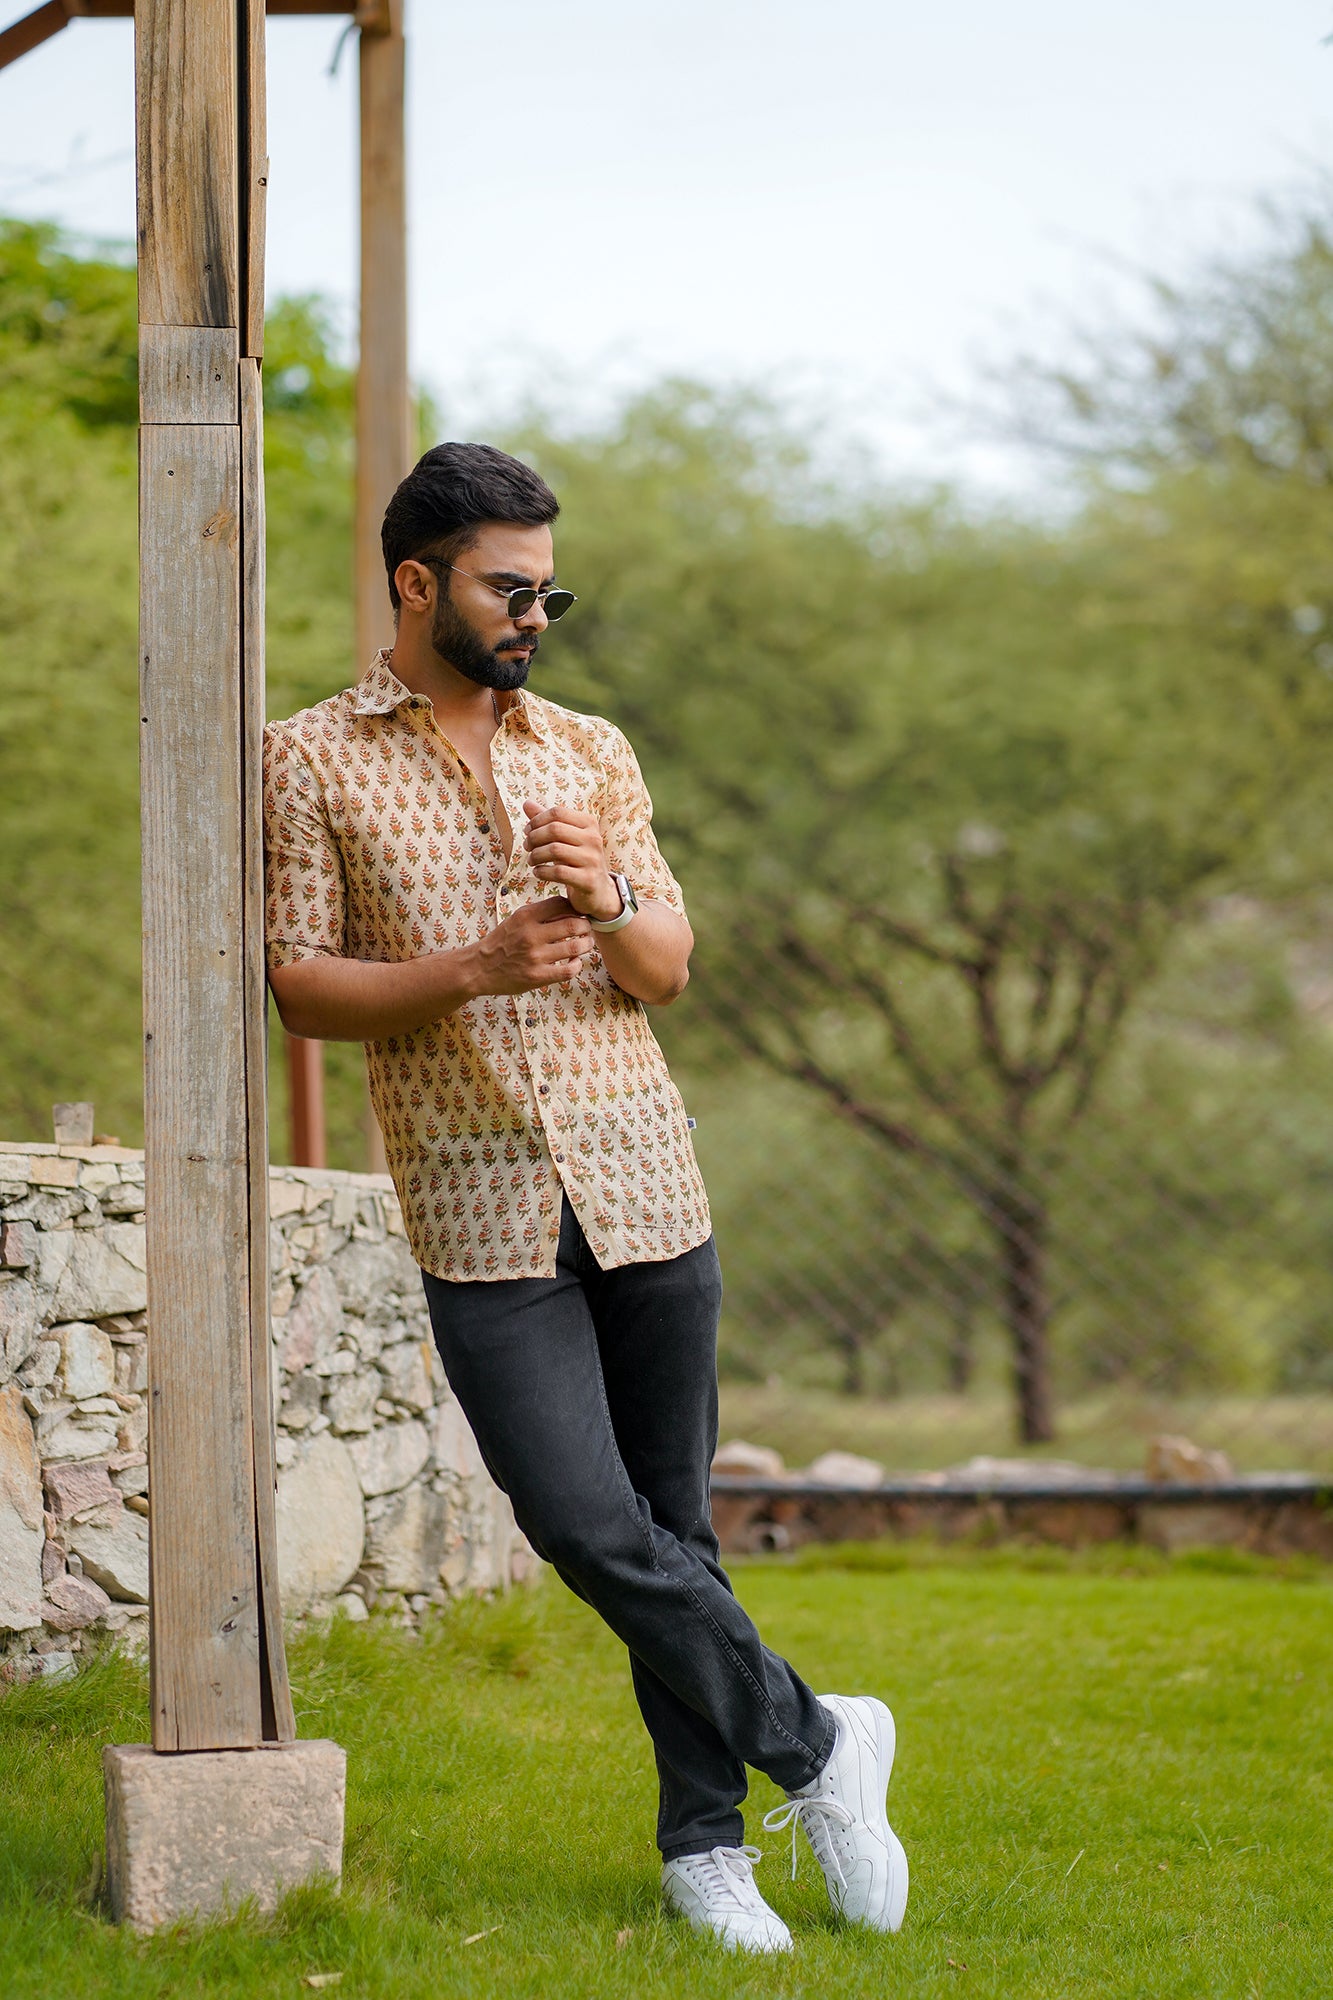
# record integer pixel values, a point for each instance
(68, 326)
(955, 800)
(944, 789)
(69, 889)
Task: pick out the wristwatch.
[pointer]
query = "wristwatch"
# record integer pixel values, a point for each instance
(629, 904)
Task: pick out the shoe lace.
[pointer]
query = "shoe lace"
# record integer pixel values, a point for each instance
(728, 1874)
(817, 1817)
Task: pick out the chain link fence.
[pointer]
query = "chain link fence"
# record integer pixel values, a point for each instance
(1167, 1267)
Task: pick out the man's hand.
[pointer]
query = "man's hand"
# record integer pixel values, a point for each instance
(565, 846)
(543, 944)
(363, 1000)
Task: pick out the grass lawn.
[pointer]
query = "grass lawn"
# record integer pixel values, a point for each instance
(916, 1433)
(1113, 1781)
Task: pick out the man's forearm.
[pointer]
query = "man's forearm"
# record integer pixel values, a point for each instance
(650, 958)
(333, 999)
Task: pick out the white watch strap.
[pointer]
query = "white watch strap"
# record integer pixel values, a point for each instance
(627, 909)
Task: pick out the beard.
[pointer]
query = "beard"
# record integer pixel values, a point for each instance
(462, 646)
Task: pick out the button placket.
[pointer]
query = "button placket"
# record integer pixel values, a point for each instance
(510, 1056)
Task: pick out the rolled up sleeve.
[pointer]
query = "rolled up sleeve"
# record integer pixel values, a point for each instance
(626, 814)
(305, 909)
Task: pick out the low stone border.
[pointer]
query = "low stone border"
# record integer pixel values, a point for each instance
(1268, 1514)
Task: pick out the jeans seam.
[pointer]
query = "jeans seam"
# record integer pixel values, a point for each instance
(738, 1665)
(700, 1609)
(627, 1494)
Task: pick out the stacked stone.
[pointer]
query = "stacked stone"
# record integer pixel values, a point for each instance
(383, 1502)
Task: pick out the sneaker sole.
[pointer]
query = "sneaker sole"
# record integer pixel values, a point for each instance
(890, 1914)
(728, 1939)
(679, 1912)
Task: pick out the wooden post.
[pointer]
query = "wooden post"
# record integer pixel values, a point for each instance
(218, 1669)
(305, 1087)
(384, 429)
(384, 441)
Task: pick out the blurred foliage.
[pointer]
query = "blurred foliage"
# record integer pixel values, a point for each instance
(1003, 840)
(949, 796)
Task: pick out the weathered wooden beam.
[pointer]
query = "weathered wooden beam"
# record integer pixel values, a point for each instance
(253, 179)
(279, 1722)
(383, 392)
(43, 22)
(185, 99)
(187, 375)
(32, 31)
(217, 1664)
(204, 1649)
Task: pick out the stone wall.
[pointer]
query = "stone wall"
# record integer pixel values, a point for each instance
(383, 1502)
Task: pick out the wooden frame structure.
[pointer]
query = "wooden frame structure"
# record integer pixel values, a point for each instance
(219, 1677)
(384, 441)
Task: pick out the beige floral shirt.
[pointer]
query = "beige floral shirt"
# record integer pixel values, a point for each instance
(381, 845)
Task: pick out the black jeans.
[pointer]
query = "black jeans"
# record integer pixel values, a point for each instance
(593, 1398)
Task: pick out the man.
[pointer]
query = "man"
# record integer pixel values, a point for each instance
(464, 877)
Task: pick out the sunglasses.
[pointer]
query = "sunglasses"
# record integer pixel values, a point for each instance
(555, 603)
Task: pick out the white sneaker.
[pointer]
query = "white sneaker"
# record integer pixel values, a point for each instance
(716, 1892)
(844, 1818)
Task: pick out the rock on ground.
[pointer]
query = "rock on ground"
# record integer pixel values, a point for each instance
(1180, 1459)
(845, 1468)
(738, 1458)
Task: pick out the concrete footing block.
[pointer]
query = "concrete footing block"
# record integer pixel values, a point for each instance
(198, 1832)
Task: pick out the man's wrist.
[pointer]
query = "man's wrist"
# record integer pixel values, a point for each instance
(609, 903)
(466, 975)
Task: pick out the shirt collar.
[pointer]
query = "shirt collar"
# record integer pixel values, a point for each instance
(379, 692)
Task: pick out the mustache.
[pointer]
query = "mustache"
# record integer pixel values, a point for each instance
(530, 645)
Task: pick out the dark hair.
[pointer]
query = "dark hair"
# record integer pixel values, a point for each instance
(449, 493)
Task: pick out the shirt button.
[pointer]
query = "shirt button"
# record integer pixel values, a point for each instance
(543, 1090)
(560, 1159)
(529, 1020)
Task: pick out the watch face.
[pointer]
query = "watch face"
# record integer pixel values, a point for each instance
(627, 895)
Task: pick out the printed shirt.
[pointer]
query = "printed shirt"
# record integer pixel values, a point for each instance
(381, 845)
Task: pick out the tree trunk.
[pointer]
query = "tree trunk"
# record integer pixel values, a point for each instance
(1021, 1222)
(961, 1359)
(852, 1349)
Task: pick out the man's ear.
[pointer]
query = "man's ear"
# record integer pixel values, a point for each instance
(415, 584)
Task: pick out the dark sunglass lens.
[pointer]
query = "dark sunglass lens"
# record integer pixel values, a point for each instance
(557, 603)
(521, 601)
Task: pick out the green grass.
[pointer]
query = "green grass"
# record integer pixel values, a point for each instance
(919, 1432)
(1113, 1782)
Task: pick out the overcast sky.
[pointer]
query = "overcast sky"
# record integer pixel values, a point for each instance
(845, 200)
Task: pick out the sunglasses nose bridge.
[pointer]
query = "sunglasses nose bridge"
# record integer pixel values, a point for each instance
(534, 612)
